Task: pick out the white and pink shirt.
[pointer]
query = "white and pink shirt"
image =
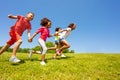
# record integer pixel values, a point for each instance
(45, 33)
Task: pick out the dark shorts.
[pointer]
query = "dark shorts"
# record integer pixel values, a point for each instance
(56, 41)
(60, 40)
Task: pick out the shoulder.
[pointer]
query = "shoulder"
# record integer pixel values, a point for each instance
(19, 16)
(68, 29)
(41, 28)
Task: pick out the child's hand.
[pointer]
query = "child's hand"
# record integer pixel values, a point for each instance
(10, 16)
(29, 40)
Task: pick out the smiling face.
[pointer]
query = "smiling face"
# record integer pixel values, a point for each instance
(48, 25)
(73, 27)
(46, 22)
(30, 16)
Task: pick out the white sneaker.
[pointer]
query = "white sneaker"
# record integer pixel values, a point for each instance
(30, 53)
(63, 55)
(42, 63)
(14, 60)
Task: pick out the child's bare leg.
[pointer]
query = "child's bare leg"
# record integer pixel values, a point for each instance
(4, 48)
(53, 48)
(43, 57)
(60, 51)
(34, 51)
(18, 43)
(65, 45)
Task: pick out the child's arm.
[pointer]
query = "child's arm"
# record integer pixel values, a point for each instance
(12, 17)
(63, 30)
(28, 33)
(29, 36)
(33, 36)
(51, 35)
(55, 34)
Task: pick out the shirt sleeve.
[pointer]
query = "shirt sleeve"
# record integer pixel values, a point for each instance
(19, 17)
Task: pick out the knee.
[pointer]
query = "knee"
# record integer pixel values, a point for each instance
(68, 46)
(44, 50)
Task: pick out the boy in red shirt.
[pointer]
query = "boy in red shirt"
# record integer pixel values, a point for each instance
(16, 31)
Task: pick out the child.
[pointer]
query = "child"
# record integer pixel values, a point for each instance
(57, 34)
(16, 31)
(63, 37)
(45, 33)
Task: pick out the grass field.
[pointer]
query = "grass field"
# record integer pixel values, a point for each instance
(73, 67)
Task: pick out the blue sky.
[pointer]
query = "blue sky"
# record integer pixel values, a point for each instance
(98, 22)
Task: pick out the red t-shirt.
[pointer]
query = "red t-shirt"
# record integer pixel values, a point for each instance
(21, 25)
(45, 33)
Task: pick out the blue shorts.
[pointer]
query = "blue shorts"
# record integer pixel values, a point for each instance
(60, 40)
(56, 41)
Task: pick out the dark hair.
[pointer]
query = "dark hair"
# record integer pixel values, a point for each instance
(30, 12)
(56, 29)
(44, 21)
(71, 25)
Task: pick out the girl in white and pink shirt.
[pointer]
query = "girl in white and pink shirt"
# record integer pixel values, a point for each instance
(44, 34)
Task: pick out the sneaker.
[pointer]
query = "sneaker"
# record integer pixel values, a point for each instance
(14, 60)
(42, 63)
(63, 55)
(30, 53)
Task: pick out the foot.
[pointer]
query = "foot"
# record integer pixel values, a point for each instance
(63, 55)
(42, 63)
(30, 53)
(14, 60)
(58, 52)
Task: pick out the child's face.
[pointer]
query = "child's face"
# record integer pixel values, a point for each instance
(29, 16)
(73, 27)
(48, 25)
(59, 29)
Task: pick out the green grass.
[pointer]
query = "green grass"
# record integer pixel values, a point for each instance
(73, 67)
